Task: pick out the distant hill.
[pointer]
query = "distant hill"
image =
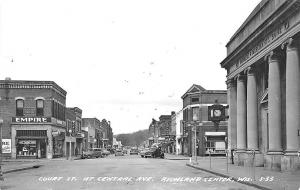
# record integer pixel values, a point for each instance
(133, 139)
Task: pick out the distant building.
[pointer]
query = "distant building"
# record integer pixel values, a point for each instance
(153, 132)
(107, 134)
(92, 126)
(177, 123)
(195, 111)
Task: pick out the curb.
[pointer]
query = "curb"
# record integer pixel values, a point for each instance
(233, 178)
(21, 169)
(177, 159)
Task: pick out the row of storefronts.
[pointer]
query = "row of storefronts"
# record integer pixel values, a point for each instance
(189, 131)
(36, 123)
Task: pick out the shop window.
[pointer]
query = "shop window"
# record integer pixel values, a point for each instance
(26, 148)
(39, 107)
(19, 107)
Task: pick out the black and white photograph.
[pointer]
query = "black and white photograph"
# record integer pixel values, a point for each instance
(150, 95)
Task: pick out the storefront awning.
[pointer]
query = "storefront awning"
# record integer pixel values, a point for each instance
(215, 133)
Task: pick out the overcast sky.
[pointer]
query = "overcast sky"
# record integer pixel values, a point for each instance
(124, 60)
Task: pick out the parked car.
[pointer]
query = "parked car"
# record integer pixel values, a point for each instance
(119, 153)
(143, 152)
(125, 151)
(134, 151)
(105, 152)
(92, 153)
(154, 152)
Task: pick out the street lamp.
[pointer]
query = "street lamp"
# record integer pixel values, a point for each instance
(1, 174)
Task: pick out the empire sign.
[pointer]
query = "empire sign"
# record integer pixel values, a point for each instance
(31, 119)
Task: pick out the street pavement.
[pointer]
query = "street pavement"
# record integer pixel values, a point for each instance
(121, 172)
(256, 176)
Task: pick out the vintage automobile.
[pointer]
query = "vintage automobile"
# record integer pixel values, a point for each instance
(134, 151)
(143, 152)
(92, 153)
(119, 152)
(105, 152)
(155, 152)
(125, 151)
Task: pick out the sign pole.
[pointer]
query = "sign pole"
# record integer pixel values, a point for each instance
(210, 159)
(196, 143)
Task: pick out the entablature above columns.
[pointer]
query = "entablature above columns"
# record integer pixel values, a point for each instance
(256, 52)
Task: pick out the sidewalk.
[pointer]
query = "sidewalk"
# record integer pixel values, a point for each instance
(257, 177)
(176, 157)
(14, 165)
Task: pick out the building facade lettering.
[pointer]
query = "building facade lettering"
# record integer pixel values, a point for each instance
(31, 119)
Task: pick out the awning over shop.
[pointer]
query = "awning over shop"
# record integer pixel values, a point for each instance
(215, 133)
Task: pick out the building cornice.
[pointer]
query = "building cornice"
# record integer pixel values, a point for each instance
(20, 84)
(283, 11)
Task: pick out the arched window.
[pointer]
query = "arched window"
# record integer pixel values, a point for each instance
(39, 107)
(19, 107)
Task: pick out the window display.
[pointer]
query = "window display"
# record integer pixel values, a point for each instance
(26, 148)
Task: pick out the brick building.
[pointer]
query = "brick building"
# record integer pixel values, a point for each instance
(93, 127)
(33, 114)
(74, 136)
(107, 134)
(195, 111)
(153, 132)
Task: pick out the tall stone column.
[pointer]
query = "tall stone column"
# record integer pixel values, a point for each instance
(252, 135)
(273, 159)
(231, 99)
(290, 161)
(241, 119)
(252, 120)
(241, 113)
(274, 104)
(292, 96)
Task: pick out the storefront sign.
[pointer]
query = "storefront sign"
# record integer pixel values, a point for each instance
(6, 145)
(31, 119)
(27, 141)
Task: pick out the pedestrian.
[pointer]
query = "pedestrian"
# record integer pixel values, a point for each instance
(232, 155)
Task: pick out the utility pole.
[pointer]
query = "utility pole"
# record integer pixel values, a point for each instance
(1, 174)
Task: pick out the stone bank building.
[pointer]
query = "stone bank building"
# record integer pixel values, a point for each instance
(263, 81)
(33, 114)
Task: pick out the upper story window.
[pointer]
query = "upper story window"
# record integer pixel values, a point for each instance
(58, 111)
(193, 100)
(39, 107)
(19, 107)
(195, 113)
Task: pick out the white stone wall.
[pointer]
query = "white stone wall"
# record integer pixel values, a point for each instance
(179, 117)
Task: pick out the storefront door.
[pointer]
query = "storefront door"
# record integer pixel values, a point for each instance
(43, 148)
